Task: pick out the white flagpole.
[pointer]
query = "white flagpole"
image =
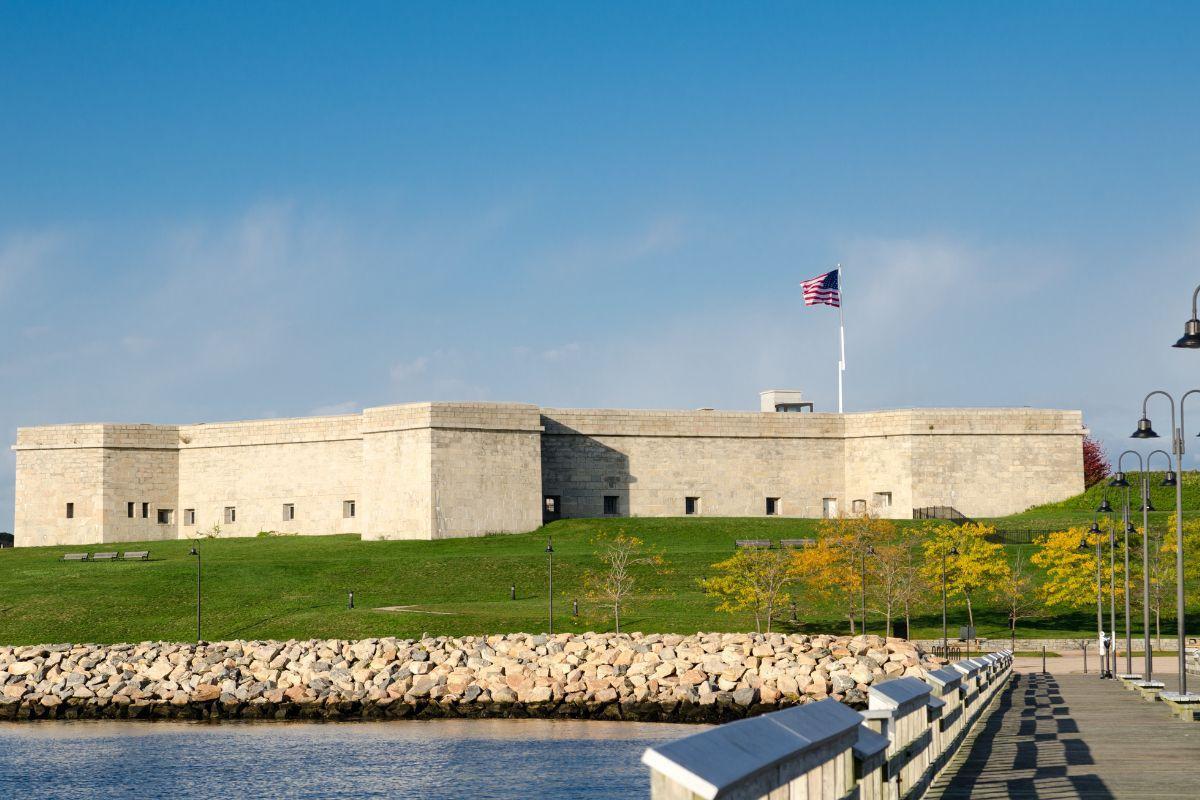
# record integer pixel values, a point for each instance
(841, 335)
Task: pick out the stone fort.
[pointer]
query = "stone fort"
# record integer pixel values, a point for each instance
(442, 470)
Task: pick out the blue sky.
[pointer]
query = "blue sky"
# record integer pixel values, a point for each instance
(227, 211)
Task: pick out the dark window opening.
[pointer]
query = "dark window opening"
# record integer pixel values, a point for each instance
(129, 509)
(145, 511)
(691, 505)
(230, 515)
(165, 516)
(348, 509)
(189, 516)
(70, 511)
(772, 506)
(612, 505)
(551, 508)
(289, 512)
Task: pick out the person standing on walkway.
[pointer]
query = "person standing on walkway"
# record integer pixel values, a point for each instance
(1105, 648)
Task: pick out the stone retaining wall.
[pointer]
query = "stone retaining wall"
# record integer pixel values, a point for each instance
(663, 677)
(1061, 646)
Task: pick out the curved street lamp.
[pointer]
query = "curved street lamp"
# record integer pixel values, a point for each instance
(1083, 544)
(1168, 480)
(1146, 431)
(550, 553)
(868, 551)
(195, 551)
(1191, 329)
(1145, 489)
(953, 551)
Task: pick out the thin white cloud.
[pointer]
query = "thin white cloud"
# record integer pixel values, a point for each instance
(336, 409)
(589, 255)
(407, 370)
(24, 253)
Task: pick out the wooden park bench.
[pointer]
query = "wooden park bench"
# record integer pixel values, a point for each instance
(75, 557)
(104, 557)
(753, 543)
(136, 555)
(797, 543)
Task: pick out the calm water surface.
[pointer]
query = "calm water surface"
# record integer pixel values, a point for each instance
(435, 759)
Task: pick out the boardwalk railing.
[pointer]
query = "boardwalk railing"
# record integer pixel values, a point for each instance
(828, 751)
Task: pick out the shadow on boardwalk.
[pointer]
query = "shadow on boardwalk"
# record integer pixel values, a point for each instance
(1070, 736)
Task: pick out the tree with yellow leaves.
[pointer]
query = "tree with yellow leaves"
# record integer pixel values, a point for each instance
(977, 571)
(1071, 570)
(851, 545)
(752, 580)
(825, 576)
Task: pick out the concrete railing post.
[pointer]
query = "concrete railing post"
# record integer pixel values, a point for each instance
(827, 751)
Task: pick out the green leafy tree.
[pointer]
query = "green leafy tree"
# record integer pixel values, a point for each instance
(752, 580)
(976, 572)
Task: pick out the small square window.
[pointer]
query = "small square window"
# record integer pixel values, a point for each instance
(772, 506)
(612, 505)
(883, 499)
(166, 516)
(348, 509)
(858, 506)
(230, 515)
(129, 509)
(189, 516)
(289, 512)
(691, 505)
(70, 511)
(145, 511)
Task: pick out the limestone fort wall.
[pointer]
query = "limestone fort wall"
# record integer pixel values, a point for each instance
(439, 470)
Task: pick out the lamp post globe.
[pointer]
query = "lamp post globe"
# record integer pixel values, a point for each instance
(1144, 430)
(1191, 329)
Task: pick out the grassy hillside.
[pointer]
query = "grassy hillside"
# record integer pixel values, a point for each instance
(283, 587)
(1080, 509)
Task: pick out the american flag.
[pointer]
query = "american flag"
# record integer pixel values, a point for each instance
(822, 290)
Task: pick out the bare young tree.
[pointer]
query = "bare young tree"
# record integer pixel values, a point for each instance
(612, 585)
(1019, 593)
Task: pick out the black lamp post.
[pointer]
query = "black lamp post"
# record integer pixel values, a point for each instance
(1098, 534)
(1119, 481)
(550, 554)
(1145, 490)
(1146, 431)
(953, 551)
(195, 551)
(1147, 507)
(868, 551)
(1191, 329)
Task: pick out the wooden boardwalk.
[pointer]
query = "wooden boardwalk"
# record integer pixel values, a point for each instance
(1074, 736)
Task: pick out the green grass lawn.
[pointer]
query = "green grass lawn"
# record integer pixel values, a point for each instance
(1080, 509)
(291, 586)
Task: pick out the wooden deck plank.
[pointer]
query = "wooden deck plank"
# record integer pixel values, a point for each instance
(1059, 737)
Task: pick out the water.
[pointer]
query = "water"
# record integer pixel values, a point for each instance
(494, 759)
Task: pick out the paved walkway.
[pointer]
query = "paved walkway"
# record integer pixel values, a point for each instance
(1057, 737)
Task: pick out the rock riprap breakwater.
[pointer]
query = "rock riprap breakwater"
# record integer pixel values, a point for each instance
(657, 677)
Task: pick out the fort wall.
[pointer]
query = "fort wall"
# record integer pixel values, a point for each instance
(440, 470)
